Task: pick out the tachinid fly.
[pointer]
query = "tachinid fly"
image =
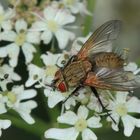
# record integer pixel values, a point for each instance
(96, 65)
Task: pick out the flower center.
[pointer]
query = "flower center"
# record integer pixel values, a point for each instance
(20, 39)
(121, 109)
(51, 70)
(69, 2)
(11, 97)
(52, 25)
(80, 125)
(1, 18)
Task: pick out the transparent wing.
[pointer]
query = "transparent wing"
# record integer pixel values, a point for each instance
(101, 39)
(112, 79)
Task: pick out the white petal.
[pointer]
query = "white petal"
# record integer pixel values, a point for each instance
(1, 9)
(62, 134)
(9, 36)
(129, 125)
(18, 89)
(4, 124)
(20, 25)
(3, 51)
(6, 69)
(133, 105)
(83, 9)
(27, 94)
(68, 118)
(50, 12)
(54, 97)
(70, 102)
(38, 26)
(87, 134)
(63, 36)
(28, 50)
(82, 112)
(50, 59)
(15, 77)
(94, 122)
(2, 108)
(10, 13)
(121, 97)
(7, 25)
(74, 9)
(13, 52)
(24, 109)
(131, 67)
(34, 71)
(46, 37)
(116, 117)
(63, 17)
(33, 37)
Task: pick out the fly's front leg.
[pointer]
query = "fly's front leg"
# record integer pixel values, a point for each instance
(75, 92)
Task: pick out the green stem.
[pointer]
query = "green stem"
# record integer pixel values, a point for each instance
(37, 60)
(89, 19)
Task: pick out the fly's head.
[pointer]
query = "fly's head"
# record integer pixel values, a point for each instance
(59, 81)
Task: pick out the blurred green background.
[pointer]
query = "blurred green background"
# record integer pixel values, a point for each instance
(103, 10)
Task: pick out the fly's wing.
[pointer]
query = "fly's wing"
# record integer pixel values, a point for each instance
(101, 39)
(113, 79)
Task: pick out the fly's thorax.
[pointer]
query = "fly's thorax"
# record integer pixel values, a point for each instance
(76, 72)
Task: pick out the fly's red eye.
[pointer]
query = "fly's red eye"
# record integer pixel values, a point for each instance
(62, 87)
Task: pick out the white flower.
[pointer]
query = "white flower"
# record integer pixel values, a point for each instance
(15, 101)
(54, 24)
(79, 123)
(55, 97)
(35, 75)
(5, 16)
(46, 74)
(21, 38)
(50, 59)
(76, 6)
(4, 124)
(132, 67)
(7, 75)
(120, 109)
(9, 71)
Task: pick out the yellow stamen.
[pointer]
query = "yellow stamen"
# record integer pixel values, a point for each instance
(81, 124)
(52, 25)
(121, 110)
(20, 39)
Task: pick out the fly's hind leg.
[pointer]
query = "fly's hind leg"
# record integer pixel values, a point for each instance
(100, 101)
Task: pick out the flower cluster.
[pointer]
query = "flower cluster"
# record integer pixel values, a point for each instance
(34, 44)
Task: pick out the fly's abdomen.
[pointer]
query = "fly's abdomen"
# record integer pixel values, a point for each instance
(76, 72)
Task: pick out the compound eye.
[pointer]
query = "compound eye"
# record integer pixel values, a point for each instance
(62, 87)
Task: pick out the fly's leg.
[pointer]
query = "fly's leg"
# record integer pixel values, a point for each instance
(75, 92)
(103, 107)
